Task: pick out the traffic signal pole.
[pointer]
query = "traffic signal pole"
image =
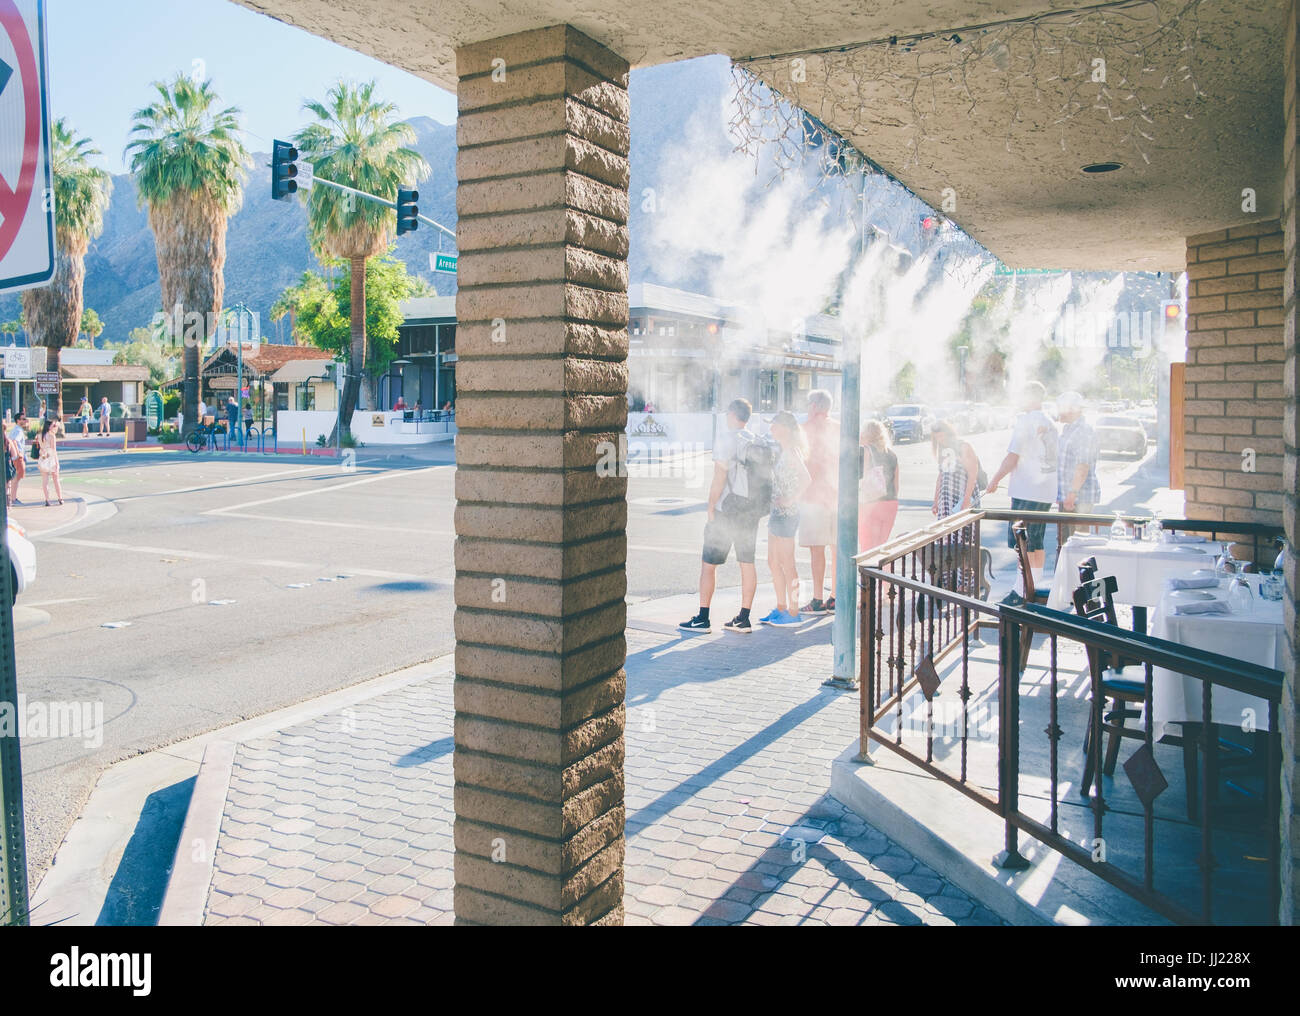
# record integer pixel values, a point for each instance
(379, 201)
(284, 171)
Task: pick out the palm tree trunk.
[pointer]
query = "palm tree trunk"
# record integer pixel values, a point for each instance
(357, 362)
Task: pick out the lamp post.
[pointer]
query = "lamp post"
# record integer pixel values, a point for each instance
(242, 309)
(962, 352)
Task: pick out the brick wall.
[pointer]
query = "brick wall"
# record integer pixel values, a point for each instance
(1233, 381)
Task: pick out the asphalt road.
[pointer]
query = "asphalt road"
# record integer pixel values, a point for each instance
(246, 586)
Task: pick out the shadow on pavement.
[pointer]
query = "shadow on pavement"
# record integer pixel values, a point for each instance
(136, 893)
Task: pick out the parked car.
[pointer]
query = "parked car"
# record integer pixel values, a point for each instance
(910, 422)
(1120, 434)
(878, 416)
(22, 558)
(1001, 417)
(959, 415)
(1149, 421)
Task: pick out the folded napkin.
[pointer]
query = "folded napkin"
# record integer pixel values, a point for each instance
(1203, 607)
(1089, 541)
(1206, 582)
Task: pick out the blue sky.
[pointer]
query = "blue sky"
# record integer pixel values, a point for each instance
(103, 56)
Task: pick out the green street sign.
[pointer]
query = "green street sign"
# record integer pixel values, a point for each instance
(153, 410)
(1002, 269)
(444, 263)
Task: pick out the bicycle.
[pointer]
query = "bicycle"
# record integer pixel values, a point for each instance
(202, 436)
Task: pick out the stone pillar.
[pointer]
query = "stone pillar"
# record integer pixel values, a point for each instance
(541, 549)
(1290, 478)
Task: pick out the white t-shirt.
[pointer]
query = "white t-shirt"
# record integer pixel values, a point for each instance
(1034, 439)
(726, 451)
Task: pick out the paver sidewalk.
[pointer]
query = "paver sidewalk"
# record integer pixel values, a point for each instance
(348, 819)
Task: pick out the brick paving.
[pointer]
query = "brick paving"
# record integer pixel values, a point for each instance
(348, 819)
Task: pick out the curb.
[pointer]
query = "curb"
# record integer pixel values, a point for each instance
(94, 510)
(186, 897)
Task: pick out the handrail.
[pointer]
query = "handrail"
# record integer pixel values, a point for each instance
(919, 538)
(926, 589)
(1238, 675)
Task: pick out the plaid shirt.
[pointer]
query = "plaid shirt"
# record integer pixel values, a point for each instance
(1078, 447)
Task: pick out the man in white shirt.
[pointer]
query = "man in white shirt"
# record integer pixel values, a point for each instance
(105, 410)
(1031, 464)
(732, 521)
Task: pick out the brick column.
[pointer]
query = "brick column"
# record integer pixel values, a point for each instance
(1233, 401)
(541, 549)
(1291, 441)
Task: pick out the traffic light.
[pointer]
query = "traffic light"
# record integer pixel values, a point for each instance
(407, 212)
(1173, 315)
(283, 169)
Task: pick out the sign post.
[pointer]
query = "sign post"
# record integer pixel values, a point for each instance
(26, 260)
(443, 263)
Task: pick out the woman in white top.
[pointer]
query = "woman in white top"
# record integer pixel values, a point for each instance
(48, 462)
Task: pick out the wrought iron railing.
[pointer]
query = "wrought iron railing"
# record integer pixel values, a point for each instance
(918, 613)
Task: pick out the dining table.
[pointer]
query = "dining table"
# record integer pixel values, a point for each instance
(1140, 567)
(1255, 635)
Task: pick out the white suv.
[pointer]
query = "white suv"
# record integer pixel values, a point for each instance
(22, 558)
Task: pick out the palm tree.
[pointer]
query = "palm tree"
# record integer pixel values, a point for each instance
(91, 325)
(188, 162)
(52, 314)
(356, 141)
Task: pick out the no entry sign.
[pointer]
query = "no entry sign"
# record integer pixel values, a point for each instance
(26, 183)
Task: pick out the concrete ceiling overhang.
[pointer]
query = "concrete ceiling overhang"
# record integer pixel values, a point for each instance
(993, 141)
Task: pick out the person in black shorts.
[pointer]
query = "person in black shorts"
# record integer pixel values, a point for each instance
(727, 527)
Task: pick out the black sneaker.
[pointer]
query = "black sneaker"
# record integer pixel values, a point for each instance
(695, 624)
(830, 605)
(739, 624)
(813, 607)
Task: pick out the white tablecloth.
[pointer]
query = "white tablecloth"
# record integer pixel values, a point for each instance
(1139, 568)
(1256, 637)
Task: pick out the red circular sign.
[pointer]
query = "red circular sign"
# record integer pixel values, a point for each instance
(14, 201)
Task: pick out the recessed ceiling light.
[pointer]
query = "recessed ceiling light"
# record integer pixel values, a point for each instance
(1103, 167)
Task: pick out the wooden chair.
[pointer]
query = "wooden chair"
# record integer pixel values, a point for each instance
(1031, 590)
(1095, 600)
(1125, 687)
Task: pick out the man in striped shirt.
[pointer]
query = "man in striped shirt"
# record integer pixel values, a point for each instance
(1077, 488)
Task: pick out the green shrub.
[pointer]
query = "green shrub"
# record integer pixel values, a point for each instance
(168, 434)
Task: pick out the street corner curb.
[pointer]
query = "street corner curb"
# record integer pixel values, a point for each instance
(91, 511)
(186, 896)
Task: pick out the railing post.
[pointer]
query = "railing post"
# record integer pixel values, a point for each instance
(1010, 858)
(867, 667)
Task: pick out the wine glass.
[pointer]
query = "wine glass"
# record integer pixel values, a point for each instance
(1117, 528)
(1240, 599)
(1223, 565)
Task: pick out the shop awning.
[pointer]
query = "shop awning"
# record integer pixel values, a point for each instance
(296, 371)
